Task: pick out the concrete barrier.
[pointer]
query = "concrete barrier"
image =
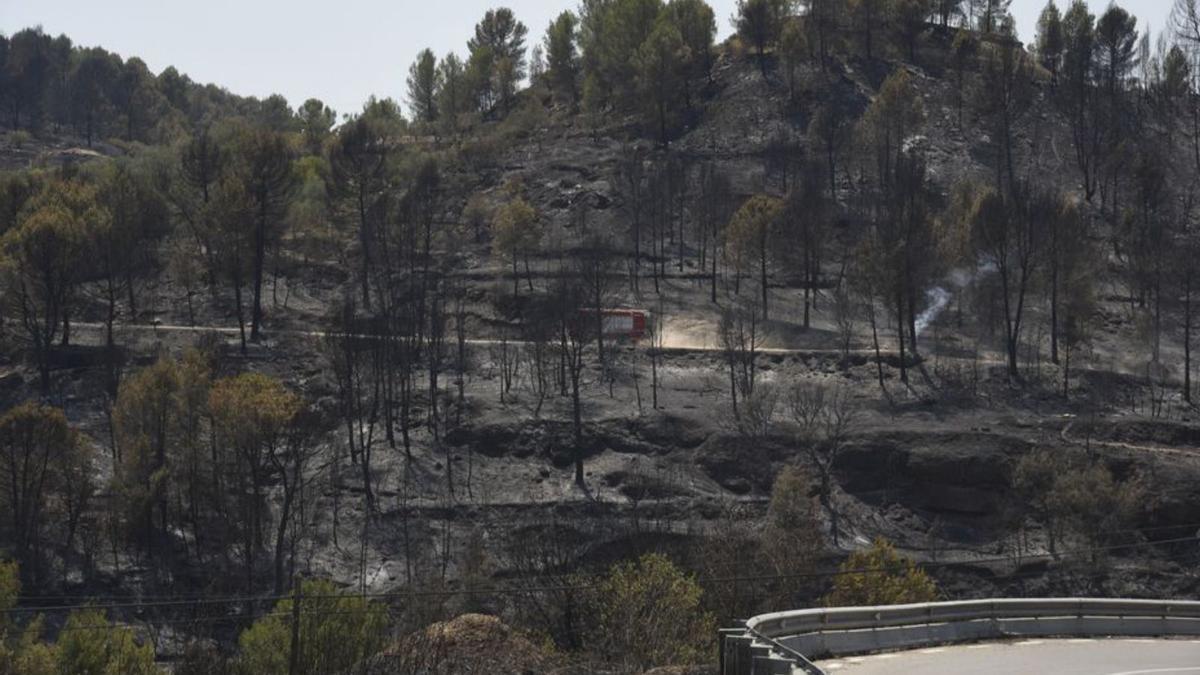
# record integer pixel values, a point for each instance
(784, 642)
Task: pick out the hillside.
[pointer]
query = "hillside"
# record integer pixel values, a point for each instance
(951, 343)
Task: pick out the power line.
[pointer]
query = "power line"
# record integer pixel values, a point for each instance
(170, 622)
(1132, 530)
(146, 600)
(377, 608)
(400, 595)
(372, 609)
(366, 609)
(960, 563)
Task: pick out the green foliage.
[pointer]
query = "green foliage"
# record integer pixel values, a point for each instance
(1176, 76)
(1116, 41)
(360, 172)
(1098, 504)
(644, 54)
(500, 31)
(16, 189)
(697, 27)
(880, 576)
(423, 86)
(275, 114)
(48, 80)
(1075, 266)
(866, 18)
(990, 15)
(123, 246)
(385, 117)
(562, 57)
(1050, 40)
(43, 259)
(481, 81)
(23, 653)
(310, 227)
(252, 416)
(316, 124)
(35, 444)
(749, 232)
(476, 216)
(896, 113)
(911, 18)
(611, 33)
(10, 590)
(514, 228)
(454, 98)
(790, 513)
(497, 61)
(792, 541)
(19, 138)
(90, 78)
(1005, 95)
(651, 597)
(27, 654)
(336, 632)
(252, 409)
(793, 50)
(1079, 37)
(661, 62)
(260, 163)
(1078, 501)
(830, 132)
(760, 22)
(228, 218)
(90, 645)
(962, 50)
(156, 425)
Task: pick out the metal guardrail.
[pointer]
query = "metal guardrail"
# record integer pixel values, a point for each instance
(783, 643)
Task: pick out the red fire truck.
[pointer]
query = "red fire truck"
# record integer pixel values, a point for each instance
(621, 325)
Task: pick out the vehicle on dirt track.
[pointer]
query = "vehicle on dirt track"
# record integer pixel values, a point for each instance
(619, 324)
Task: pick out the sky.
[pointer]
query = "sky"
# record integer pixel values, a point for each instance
(340, 52)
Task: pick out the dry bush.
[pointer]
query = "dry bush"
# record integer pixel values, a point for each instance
(472, 643)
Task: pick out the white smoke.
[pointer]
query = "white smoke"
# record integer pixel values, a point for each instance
(939, 297)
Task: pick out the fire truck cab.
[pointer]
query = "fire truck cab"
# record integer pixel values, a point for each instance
(621, 325)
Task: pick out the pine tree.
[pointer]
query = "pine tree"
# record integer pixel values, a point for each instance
(424, 85)
(562, 57)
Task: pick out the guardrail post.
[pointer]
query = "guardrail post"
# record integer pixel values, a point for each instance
(772, 665)
(764, 661)
(736, 659)
(726, 647)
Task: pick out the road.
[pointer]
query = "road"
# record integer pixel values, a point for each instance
(1033, 657)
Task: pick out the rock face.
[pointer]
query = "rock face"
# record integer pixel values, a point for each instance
(963, 474)
(962, 478)
(954, 481)
(740, 465)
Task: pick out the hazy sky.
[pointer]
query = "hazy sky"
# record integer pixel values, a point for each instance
(340, 52)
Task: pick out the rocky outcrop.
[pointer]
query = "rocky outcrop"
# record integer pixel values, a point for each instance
(958, 478)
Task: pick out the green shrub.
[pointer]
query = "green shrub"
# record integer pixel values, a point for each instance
(880, 576)
(90, 645)
(648, 614)
(19, 138)
(336, 632)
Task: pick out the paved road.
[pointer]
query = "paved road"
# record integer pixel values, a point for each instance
(1034, 657)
